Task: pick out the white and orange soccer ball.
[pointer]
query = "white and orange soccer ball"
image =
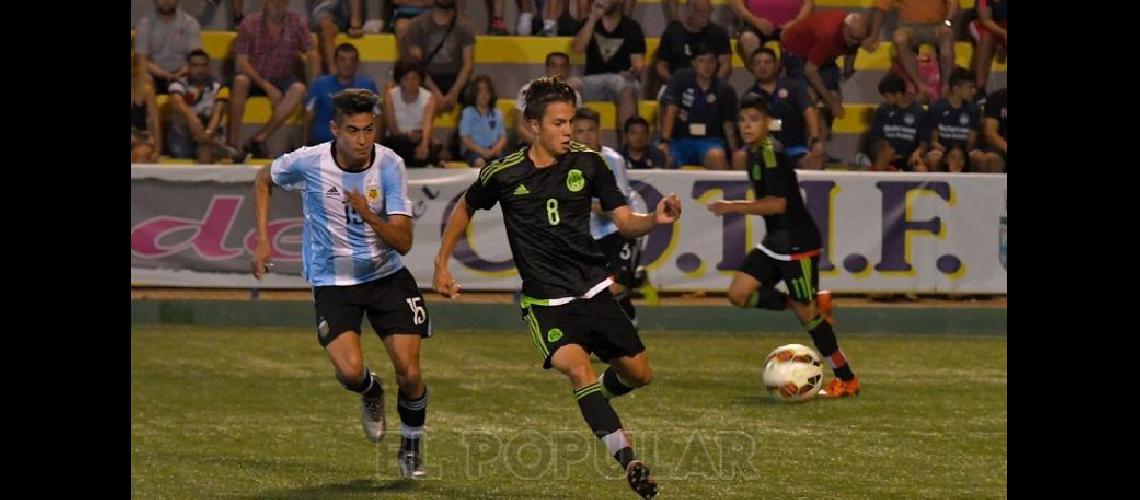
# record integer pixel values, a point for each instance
(793, 373)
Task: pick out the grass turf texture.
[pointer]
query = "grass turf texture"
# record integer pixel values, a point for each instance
(257, 413)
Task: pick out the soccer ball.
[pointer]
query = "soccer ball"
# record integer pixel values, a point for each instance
(792, 373)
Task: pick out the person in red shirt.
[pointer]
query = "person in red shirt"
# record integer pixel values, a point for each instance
(811, 45)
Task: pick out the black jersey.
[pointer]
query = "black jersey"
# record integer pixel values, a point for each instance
(547, 215)
(772, 174)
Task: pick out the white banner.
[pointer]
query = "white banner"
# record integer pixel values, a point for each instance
(193, 226)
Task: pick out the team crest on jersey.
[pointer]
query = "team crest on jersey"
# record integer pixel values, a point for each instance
(964, 119)
(783, 93)
(574, 180)
(908, 119)
(373, 193)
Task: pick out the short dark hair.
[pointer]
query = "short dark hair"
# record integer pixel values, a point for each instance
(405, 66)
(350, 102)
(585, 113)
(197, 53)
(961, 76)
(755, 101)
(347, 47)
(473, 97)
(635, 120)
(892, 83)
(552, 55)
(545, 90)
(764, 50)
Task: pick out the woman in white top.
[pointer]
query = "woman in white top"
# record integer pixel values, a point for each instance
(407, 111)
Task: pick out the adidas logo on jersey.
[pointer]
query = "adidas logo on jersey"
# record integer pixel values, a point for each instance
(332, 192)
(521, 190)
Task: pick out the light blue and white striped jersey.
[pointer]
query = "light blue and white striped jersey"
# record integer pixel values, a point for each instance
(338, 247)
(601, 225)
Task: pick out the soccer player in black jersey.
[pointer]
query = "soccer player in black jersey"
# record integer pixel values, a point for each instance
(791, 247)
(545, 191)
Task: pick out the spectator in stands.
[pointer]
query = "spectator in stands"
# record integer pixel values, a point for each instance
(319, 108)
(954, 126)
(403, 11)
(146, 139)
(615, 57)
(899, 132)
(337, 16)
(920, 21)
(810, 47)
(481, 128)
(238, 9)
(408, 114)
(989, 33)
(675, 50)
(444, 43)
(994, 131)
(267, 46)
(796, 124)
(568, 15)
(700, 111)
(637, 151)
(557, 64)
(498, 24)
(764, 20)
(163, 39)
(199, 102)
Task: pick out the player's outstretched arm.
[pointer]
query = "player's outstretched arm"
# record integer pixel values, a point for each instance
(442, 281)
(768, 205)
(262, 188)
(635, 225)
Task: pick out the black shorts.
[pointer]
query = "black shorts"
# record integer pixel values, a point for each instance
(801, 276)
(281, 83)
(393, 304)
(445, 81)
(597, 324)
(621, 258)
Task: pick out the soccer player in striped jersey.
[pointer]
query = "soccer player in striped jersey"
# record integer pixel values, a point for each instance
(791, 247)
(357, 225)
(546, 192)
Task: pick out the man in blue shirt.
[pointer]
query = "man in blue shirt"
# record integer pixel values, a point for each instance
(319, 102)
(699, 112)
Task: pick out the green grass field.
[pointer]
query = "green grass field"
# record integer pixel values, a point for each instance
(257, 413)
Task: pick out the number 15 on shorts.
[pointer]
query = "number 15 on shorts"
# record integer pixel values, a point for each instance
(418, 312)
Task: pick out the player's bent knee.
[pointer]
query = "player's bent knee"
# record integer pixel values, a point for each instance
(408, 377)
(578, 373)
(738, 299)
(641, 378)
(349, 372)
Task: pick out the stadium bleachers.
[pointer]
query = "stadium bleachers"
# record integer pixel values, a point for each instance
(512, 61)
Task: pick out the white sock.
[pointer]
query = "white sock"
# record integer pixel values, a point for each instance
(411, 432)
